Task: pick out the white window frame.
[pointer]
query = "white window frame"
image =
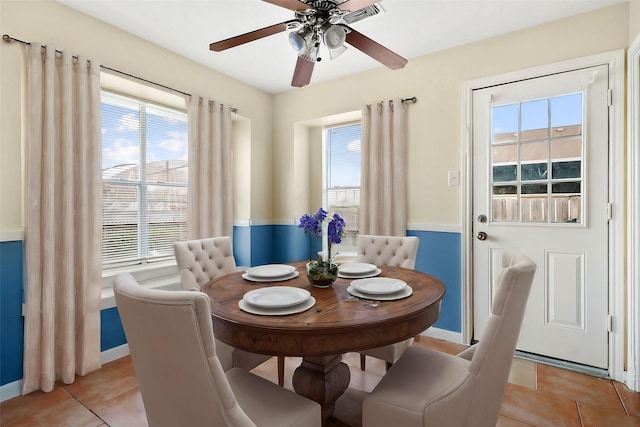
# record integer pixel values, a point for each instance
(143, 108)
(341, 248)
(162, 274)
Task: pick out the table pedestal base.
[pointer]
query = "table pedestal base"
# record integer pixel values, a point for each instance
(322, 379)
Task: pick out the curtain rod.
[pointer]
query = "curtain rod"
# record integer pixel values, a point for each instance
(411, 100)
(7, 38)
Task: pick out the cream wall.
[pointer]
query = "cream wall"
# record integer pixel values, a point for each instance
(435, 121)
(49, 22)
(634, 20)
(280, 127)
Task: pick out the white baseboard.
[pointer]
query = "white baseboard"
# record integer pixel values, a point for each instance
(114, 353)
(443, 334)
(10, 390)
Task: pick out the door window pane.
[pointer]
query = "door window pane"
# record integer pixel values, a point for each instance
(535, 120)
(534, 209)
(534, 159)
(504, 173)
(566, 115)
(505, 123)
(505, 203)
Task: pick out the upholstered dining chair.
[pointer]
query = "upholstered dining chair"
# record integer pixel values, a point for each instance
(399, 251)
(199, 261)
(430, 388)
(180, 377)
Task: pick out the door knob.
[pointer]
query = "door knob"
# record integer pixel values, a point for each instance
(482, 235)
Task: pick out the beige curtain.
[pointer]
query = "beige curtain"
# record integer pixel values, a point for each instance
(63, 218)
(210, 185)
(383, 193)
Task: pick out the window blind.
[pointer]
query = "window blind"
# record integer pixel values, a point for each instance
(144, 180)
(343, 176)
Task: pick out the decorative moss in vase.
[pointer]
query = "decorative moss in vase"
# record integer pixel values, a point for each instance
(323, 272)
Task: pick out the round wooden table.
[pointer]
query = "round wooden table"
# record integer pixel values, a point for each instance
(338, 323)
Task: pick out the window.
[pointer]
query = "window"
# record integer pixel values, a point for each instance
(537, 160)
(343, 178)
(144, 180)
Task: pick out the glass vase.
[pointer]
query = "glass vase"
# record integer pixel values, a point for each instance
(322, 274)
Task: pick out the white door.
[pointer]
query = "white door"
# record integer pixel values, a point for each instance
(540, 185)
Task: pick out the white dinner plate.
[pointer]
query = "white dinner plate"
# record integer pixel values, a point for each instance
(352, 268)
(407, 291)
(379, 285)
(251, 278)
(270, 271)
(250, 308)
(373, 273)
(276, 296)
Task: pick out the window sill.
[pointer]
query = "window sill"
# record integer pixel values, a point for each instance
(162, 275)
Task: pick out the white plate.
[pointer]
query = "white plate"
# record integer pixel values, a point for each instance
(379, 285)
(270, 271)
(276, 296)
(373, 273)
(249, 308)
(249, 277)
(356, 268)
(388, 297)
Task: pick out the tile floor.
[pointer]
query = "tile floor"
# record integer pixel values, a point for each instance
(537, 395)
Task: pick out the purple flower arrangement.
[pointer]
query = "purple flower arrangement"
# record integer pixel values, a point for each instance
(312, 224)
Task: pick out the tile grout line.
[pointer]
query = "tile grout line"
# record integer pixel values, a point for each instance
(620, 398)
(579, 413)
(83, 405)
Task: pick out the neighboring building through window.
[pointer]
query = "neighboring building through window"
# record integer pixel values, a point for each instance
(144, 180)
(342, 174)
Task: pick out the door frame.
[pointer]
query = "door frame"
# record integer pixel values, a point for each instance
(633, 189)
(616, 61)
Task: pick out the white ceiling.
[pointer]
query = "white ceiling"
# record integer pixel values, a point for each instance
(410, 28)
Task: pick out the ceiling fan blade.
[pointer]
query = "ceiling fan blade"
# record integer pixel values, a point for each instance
(375, 50)
(249, 37)
(294, 5)
(353, 5)
(302, 73)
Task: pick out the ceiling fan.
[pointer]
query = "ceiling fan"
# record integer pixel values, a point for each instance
(319, 21)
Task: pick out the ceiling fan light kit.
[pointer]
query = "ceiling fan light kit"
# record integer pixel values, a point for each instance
(316, 21)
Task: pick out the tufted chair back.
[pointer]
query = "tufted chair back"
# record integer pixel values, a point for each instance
(181, 379)
(199, 261)
(396, 251)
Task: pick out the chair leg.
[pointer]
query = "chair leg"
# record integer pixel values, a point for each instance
(281, 371)
(362, 362)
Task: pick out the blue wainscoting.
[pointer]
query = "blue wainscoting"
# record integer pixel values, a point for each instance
(438, 255)
(111, 330)
(11, 320)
